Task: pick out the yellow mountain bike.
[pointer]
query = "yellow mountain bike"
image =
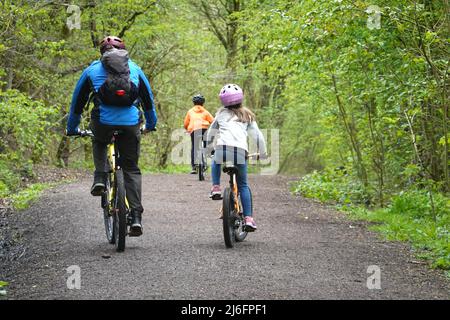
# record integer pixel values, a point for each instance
(116, 211)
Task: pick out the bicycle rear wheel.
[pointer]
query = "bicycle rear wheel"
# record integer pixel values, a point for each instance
(201, 166)
(201, 171)
(107, 212)
(120, 212)
(228, 218)
(240, 232)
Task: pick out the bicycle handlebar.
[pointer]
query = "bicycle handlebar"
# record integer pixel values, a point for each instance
(253, 156)
(81, 134)
(146, 130)
(88, 133)
(250, 156)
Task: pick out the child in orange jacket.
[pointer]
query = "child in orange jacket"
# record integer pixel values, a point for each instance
(196, 123)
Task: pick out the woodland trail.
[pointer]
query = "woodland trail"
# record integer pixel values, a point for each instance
(302, 250)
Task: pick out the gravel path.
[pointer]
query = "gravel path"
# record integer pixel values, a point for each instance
(302, 250)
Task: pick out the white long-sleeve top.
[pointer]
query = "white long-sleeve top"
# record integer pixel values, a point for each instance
(234, 133)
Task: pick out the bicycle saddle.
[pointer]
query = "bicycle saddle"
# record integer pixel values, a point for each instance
(117, 133)
(229, 168)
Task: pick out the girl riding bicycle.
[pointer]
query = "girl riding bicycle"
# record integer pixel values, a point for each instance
(233, 123)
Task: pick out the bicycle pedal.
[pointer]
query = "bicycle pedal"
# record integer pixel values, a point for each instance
(216, 197)
(249, 229)
(135, 232)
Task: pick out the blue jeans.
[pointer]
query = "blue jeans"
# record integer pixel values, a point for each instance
(241, 178)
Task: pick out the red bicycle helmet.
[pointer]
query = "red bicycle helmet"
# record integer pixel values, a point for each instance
(111, 42)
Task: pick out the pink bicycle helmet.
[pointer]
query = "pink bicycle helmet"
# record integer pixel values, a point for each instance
(231, 94)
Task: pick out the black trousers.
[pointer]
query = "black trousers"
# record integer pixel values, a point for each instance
(129, 142)
(196, 141)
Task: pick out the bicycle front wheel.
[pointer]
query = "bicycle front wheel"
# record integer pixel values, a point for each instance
(240, 232)
(201, 171)
(120, 212)
(108, 216)
(228, 218)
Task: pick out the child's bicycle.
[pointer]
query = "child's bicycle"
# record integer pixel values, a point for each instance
(116, 211)
(234, 229)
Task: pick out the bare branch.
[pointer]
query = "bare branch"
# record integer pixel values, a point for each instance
(132, 19)
(215, 28)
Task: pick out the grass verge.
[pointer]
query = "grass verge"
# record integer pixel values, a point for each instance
(24, 198)
(412, 216)
(3, 291)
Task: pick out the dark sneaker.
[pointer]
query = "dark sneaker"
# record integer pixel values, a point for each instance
(216, 193)
(136, 224)
(250, 224)
(194, 171)
(99, 185)
(97, 189)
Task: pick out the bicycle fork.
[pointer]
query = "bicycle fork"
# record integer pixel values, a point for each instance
(234, 189)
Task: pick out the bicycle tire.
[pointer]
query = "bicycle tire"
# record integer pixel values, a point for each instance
(201, 172)
(108, 218)
(201, 166)
(120, 212)
(240, 233)
(228, 218)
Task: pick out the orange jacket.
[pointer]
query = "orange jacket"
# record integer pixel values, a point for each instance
(197, 118)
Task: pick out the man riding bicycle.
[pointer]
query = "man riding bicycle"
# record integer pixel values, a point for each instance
(118, 87)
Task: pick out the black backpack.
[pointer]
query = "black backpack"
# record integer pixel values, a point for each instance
(118, 89)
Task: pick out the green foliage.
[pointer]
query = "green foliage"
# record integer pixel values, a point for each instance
(345, 94)
(26, 137)
(340, 93)
(26, 132)
(23, 199)
(373, 101)
(9, 179)
(13, 175)
(410, 218)
(332, 186)
(3, 285)
(417, 216)
(418, 205)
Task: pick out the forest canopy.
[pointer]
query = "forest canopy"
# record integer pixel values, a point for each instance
(356, 88)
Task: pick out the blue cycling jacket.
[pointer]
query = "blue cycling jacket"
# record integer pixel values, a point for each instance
(91, 80)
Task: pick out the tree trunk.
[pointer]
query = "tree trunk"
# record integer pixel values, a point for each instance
(63, 153)
(352, 135)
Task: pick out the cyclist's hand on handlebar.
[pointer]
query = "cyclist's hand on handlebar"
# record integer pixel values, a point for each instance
(263, 156)
(209, 150)
(76, 132)
(80, 133)
(258, 156)
(86, 133)
(146, 130)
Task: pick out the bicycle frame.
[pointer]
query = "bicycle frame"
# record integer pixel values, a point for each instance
(112, 157)
(116, 208)
(234, 188)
